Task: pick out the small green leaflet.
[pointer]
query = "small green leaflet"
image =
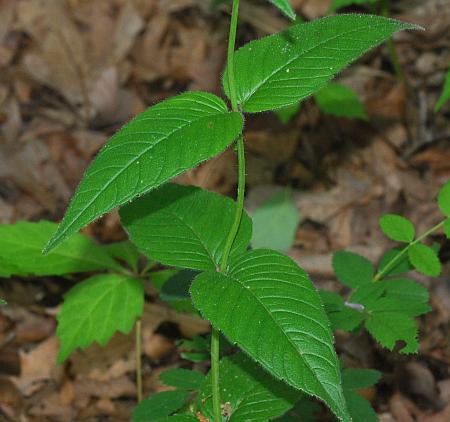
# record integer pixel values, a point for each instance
(3, 302)
(447, 228)
(424, 259)
(397, 228)
(275, 222)
(338, 4)
(390, 308)
(285, 7)
(341, 316)
(170, 225)
(124, 251)
(340, 101)
(286, 114)
(252, 394)
(352, 269)
(353, 380)
(284, 68)
(159, 406)
(290, 334)
(157, 145)
(184, 379)
(444, 199)
(445, 96)
(21, 247)
(95, 309)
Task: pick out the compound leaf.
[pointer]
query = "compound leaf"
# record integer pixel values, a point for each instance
(352, 269)
(340, 101)
(275, 223)
(170, 225)
(444, 199)
(184, 379)
(285, 7)
(251, 394)
(287, 67)
(159, 406)
(21, 252)
(424, 259)
(157, 145)
(397, 228)
(95, 309)
(290, 335)
(445, 96)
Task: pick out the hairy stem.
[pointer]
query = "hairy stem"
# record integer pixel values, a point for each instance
(396, 258)
(215, 345)
(139, 360)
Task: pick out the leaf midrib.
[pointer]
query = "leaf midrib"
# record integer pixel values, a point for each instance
(307, 364)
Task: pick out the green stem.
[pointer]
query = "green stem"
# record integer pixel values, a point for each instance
(391, 263)
(386, 12)
(139, 360)
(215, 337)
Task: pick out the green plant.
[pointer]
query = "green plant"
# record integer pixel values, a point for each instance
(260, 299)
(445, 96)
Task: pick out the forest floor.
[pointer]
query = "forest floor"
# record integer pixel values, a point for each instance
(73, 71)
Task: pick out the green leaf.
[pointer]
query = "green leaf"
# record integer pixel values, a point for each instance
(284, 68)
(251, 394)
(446, 228)
(96, 308)
(401, 265)
(184, 379)
(159, 405)
(409, 297)
(161, 277)
(352, 269)
(3, 302)
(275, 223)
(176, 291)
(424, 259)
(124, 251)
(172, 226)
(338, 4)
(285, 114)
(397, 228)
(179, 418)
(355, 379)
(444, 199)
(445, 96)
(340, 101)
(359, 408)
(195, 350)
(306, 410)
(285, 7)
(21, 252)
(157, 145)
(290, 334)
(341, 317)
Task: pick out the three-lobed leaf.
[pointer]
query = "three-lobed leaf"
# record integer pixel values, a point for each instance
(352, 269)
(95, 309)
(268, 306)
(21, 247)
(424, 259)
(172, 226)
(284, 68)
(250, 394)
(285, 7)
(275, 222)
(157, 145)
(397, 228)
(339, 100)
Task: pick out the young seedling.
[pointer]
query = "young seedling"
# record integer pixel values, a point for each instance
(261, 300)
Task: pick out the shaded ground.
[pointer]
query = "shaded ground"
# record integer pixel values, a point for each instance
(71, 72)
